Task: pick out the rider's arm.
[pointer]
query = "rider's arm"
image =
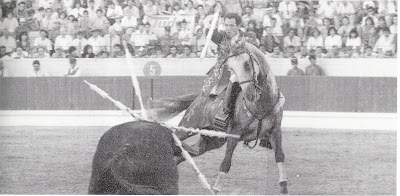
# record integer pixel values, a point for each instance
(217, 37)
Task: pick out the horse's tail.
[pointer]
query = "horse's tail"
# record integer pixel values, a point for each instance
(165, 109)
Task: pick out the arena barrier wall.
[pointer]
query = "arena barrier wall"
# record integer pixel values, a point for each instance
(316, 94)
(195, 67)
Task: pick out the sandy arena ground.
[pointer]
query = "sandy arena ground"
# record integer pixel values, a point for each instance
(55, 160)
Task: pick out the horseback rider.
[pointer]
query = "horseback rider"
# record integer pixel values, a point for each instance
(229, 41)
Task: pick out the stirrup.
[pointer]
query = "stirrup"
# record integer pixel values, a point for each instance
(221, 121)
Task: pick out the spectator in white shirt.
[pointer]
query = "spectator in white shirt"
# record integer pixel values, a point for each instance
(315, 41)
(47, 22)
(96, 41)
(276, 30)
(292, 40)
(74, 71)
(328, 10)
(354, 41)
(77, 11)
(91, 9)
(346, 9)
(129, 21)
(371, 14)
(79, 42)
(185, 35)
(10, 23)
(345, 29)
(63, 41)
(268, 17)
(287, 9)
(367, 4)
(190, 10)
(385, 43)
(40, 15)
(8, 41)
(37, 71)
(111, 39)
(177, 10)
(114, 11)
(43, 41)
(131, 10)
(333, 39)
(19, 53)
(117, 26)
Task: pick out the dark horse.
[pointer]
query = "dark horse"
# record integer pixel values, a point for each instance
(258, 112)
(135, 158)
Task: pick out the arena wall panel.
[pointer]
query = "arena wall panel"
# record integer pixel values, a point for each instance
(195, 67)
(319, 94)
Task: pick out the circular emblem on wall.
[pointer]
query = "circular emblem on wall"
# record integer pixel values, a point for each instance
(152, 68)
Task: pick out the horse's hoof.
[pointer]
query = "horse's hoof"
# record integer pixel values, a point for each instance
(284, 190)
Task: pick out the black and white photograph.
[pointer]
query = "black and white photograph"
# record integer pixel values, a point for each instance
(198, 97)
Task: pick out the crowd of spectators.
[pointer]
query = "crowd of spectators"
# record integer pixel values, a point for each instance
(280, 28)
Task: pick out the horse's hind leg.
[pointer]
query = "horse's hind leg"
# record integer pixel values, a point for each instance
(276, 142)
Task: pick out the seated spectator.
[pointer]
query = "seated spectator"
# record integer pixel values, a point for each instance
(3, 54)
(295, 71)
(319, 52)
(315, 41)
(111, 40)
(84, 23)
(335, 53)
(40, 15)
(276, 30)
(96, 41)
(59, 52)
(369, 37)
(129, 21)
(58, 5)
(21, 11)
(41, 53)
(247, 16)
(292, 40)
(24, 42)
(88, 52)
(125, 39)
(346, 9)
(73, 27)
(201, 14)
(77, 11)
(165, 40)
(370, 14)
(269, 40)
(381, 25)
(303, 52)
(276, 53)
(252, 26)
(131, 10)
(73, 53)
(159, 53)
(369, 53)
(333, 39)
(173, 52)
(55, 31)
(37, 70)
(98, 21)
(344, 30)
(74, 71)
(311, 24)
(393, 27)
(177, 9)
(190, 10)
(103, 55)
(327, 24)
(62, 18)
(164, 8)
(287, 10)
(10, 23)
(268, 18)
(8, 41)
(149, 10)
(385, 43)
(47, 22)
(290, 52)
(42, 41)
(91, 9)
(79, 42)
(187, 52)
(185, 34)
(354, 41)
(117, 26)
(118, 51)
(63, 41)
(114, 11)
(314, 69)
(140, 53)
(351, 53)
(327, 10)
(3, 70)
(19, 53)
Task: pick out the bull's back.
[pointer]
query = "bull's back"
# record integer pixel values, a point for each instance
(141, 152)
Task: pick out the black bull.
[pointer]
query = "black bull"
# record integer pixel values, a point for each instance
(135, 158)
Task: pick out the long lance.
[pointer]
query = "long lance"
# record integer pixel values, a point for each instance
(210, 33)
(122, 107)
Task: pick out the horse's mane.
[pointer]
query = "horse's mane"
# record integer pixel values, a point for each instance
(260, 58)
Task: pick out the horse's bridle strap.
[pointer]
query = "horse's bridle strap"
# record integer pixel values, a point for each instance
(247, 81)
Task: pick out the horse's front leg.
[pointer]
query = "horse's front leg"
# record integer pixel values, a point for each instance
(226, 163)
(276, 142)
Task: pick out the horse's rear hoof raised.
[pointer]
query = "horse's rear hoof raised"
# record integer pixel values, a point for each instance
(284, 190)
